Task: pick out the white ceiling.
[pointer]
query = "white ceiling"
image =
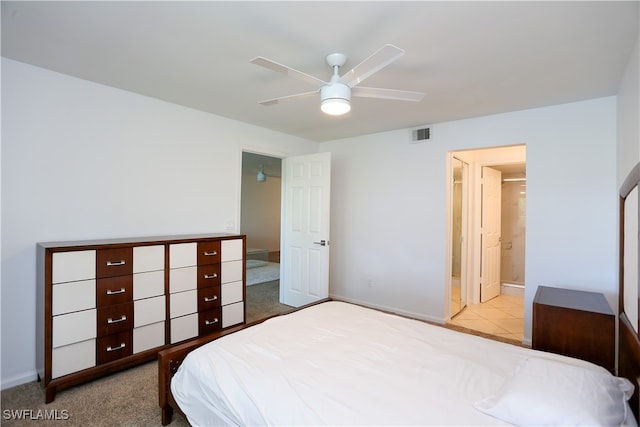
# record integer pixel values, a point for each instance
(471, 58)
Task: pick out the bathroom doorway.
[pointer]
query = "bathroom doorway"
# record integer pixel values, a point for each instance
(502, 313)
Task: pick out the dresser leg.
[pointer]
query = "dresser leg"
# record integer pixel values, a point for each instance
(50, 394)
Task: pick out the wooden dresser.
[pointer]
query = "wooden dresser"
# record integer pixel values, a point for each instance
(106, 305)
(574, 323)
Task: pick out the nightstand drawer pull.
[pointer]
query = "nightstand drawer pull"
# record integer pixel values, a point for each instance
(211, 322)
(211, 276)
(212, 253)
(119, 291)
(213, 298)
(116, 263)
(121, 319)
(120, 347)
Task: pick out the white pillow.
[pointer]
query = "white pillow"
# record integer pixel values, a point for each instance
(544, 392)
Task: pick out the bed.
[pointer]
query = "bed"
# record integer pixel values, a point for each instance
(336, 363)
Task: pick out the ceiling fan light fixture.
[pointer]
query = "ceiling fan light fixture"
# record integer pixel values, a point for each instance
(335, 99)
(260, 176)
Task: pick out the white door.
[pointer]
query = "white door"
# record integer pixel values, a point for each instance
(304, 262)
(491, 241)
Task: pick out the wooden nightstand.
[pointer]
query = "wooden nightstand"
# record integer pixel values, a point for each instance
(574, 323)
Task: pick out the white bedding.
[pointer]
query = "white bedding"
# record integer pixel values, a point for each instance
(341, 364)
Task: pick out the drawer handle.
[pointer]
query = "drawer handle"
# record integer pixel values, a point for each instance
(120, 347)
(211, 322)
(116, 263)
(211, 276)
(121, 319)
(213, 298)
(121, 291)
(213, 253)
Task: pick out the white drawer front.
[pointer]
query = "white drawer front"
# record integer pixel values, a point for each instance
(72, 266)
(232, 314)
(148, 258)
(147, 311)
(183, 328)
(73, 296)
(231, 292)
(148, 337)
(231, 250)
(148, 284)
(231, 271)
(183, 255)
(73, 358)
(183, 279)
(74, 327)
(183, 303)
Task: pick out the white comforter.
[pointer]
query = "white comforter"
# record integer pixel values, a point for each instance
(341, 364)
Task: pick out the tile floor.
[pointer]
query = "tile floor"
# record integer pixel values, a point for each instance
(502, 316)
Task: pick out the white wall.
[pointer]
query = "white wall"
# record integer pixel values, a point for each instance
(388, 219)
(82, 161)
(628, 113)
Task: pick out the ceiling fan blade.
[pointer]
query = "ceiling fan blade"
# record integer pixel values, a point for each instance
(282, 99)
(375, 92)
(377, 61)
(272, 65)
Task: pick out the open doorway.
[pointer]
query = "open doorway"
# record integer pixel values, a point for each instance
(494, 275)
(260, 219)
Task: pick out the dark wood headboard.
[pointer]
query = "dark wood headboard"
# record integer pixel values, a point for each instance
(628, 337)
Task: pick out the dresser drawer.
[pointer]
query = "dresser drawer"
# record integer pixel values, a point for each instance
(208, 253)
(73, 296)
(208, 298)
(148, 258)
(232, 250)
(232, 271)
(150, 310)
(113, 347)
(148, 337)
(208, 275)
(182, 303)
(73, 327)
(209, 321)
(114, 262)
(115, 318)
(114, 290)
(232, 314)
(183, 279)
(73, 358)
(149, 284)
(183, 255)
(73, 266)
(183, 328)
(231, 292)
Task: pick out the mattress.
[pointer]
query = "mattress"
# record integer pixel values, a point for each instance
(341, 364)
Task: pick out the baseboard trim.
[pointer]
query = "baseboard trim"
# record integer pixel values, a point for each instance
(388, 309)
(18, 380)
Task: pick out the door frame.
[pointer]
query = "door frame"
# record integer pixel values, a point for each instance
(476, 158)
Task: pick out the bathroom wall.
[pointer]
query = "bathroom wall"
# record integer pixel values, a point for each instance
(513, 230)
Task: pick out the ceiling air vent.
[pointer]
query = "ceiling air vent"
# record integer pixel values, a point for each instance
(421, 134)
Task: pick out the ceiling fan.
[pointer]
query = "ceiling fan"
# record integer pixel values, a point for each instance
(335, 95)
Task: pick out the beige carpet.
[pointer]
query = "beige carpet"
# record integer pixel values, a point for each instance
(128, 398)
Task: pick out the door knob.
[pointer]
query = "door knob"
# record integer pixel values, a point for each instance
(321, 243)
